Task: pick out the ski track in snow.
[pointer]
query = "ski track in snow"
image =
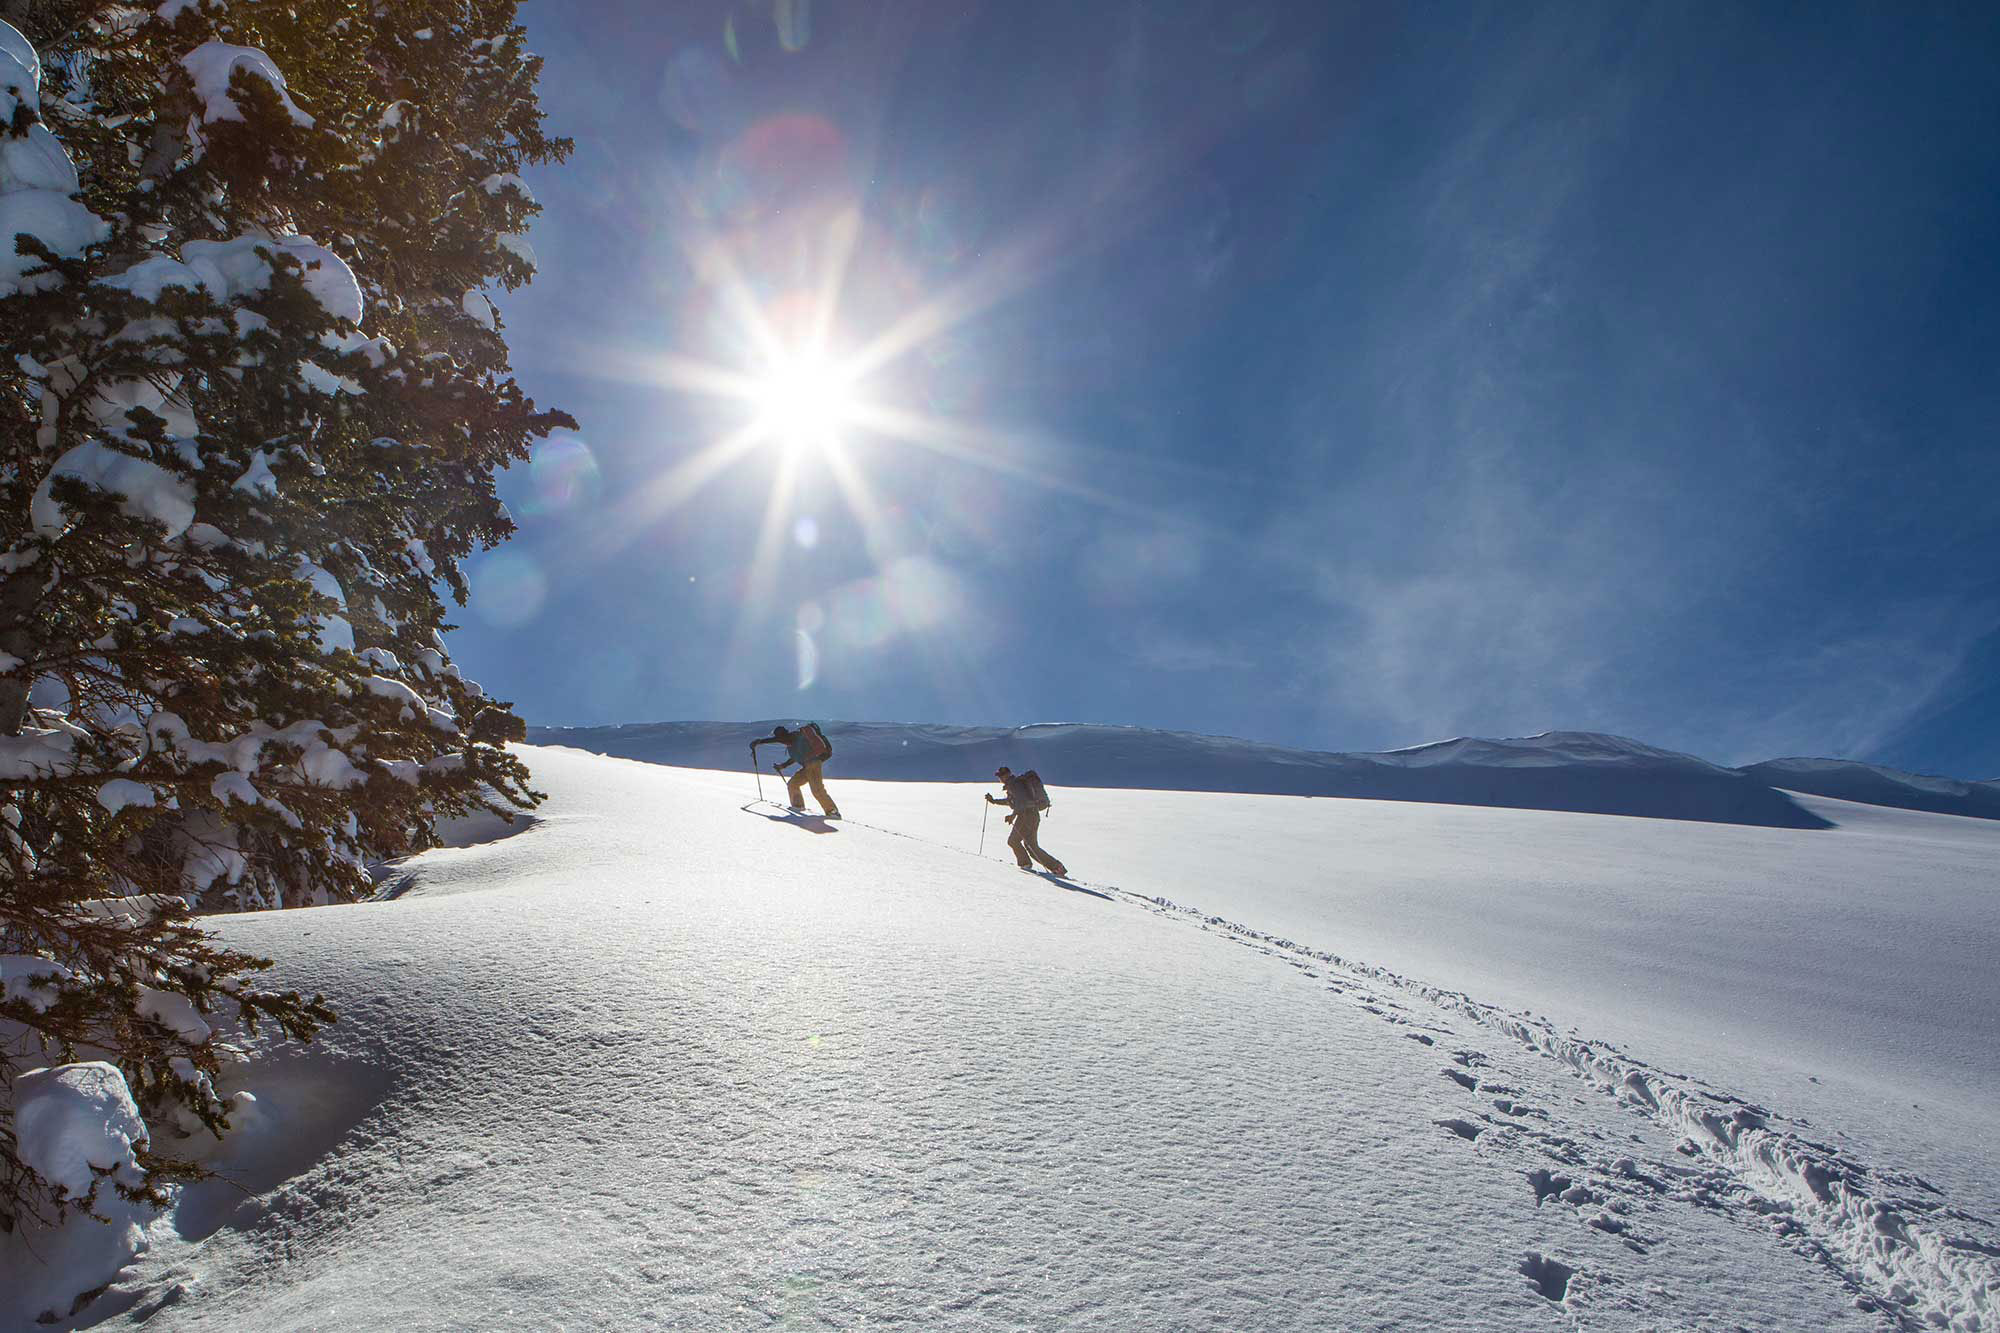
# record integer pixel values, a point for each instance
(1902, 1249)
(1890, 1236)
(1092, 1202)
(1887, 1235)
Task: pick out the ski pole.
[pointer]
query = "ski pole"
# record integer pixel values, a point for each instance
(982, 827)
(758, 771)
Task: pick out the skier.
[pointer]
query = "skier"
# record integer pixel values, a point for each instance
(809, 749)
(1027, 798)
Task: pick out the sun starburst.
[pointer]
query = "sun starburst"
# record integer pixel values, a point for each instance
(804, 400)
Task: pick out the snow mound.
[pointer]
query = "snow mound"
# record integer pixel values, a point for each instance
(73, 1122)
(77, 1125)
(1560, 770)
(1872, 784)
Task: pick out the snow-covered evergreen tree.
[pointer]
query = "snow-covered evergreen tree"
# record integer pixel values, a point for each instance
(252, 399)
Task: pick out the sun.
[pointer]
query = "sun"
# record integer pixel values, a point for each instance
(803, 400)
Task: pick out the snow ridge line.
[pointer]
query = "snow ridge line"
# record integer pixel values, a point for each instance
(1947, 1281)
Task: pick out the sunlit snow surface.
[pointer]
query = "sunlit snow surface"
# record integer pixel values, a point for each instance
(1846, 974)
(663, 1060)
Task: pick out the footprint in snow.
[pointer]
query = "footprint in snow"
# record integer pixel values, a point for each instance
(1549, 1277)
(1546, 1183)
(1606, 1218)
(1465, 1129)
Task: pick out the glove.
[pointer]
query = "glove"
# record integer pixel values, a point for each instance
(990, 800)
(1010, 819)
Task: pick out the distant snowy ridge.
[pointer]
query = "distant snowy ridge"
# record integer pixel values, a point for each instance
(1583, 771)
(1559, 770)
(1872, 784)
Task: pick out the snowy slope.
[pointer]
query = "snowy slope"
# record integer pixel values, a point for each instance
(1873, 784)
(1559, 770)
(663, 1060)
(1844, 974)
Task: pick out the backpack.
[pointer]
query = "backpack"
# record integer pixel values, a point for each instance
(817, 745)
(1038, 795)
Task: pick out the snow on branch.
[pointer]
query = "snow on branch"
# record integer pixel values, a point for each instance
(213, 64)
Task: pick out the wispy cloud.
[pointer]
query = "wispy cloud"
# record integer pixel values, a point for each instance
(1852, 689)
(1455, 582)
(1175, 650)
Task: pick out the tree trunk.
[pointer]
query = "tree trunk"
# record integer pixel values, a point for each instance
(18, 594)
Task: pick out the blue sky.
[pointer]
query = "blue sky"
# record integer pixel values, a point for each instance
(1344, 376)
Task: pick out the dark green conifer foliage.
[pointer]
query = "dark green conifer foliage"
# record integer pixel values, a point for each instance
(234, 694)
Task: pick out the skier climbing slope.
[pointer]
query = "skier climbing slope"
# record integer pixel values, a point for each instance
(808, 747)
(1026, 800)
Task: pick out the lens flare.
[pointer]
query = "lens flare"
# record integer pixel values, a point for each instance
(817, 312)
(563, 472)
(794, 22)
(696, 89)
(508, 590)
(914, 597)
(808, 659)
(954, 370)
(783, 162)
(947, 224)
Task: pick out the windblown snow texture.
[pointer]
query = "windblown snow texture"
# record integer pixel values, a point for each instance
(1560, 770)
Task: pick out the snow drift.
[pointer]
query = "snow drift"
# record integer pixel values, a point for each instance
(1559, 770)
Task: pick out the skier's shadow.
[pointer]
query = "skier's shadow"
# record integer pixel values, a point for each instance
(810, 823)
(1074, 887)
